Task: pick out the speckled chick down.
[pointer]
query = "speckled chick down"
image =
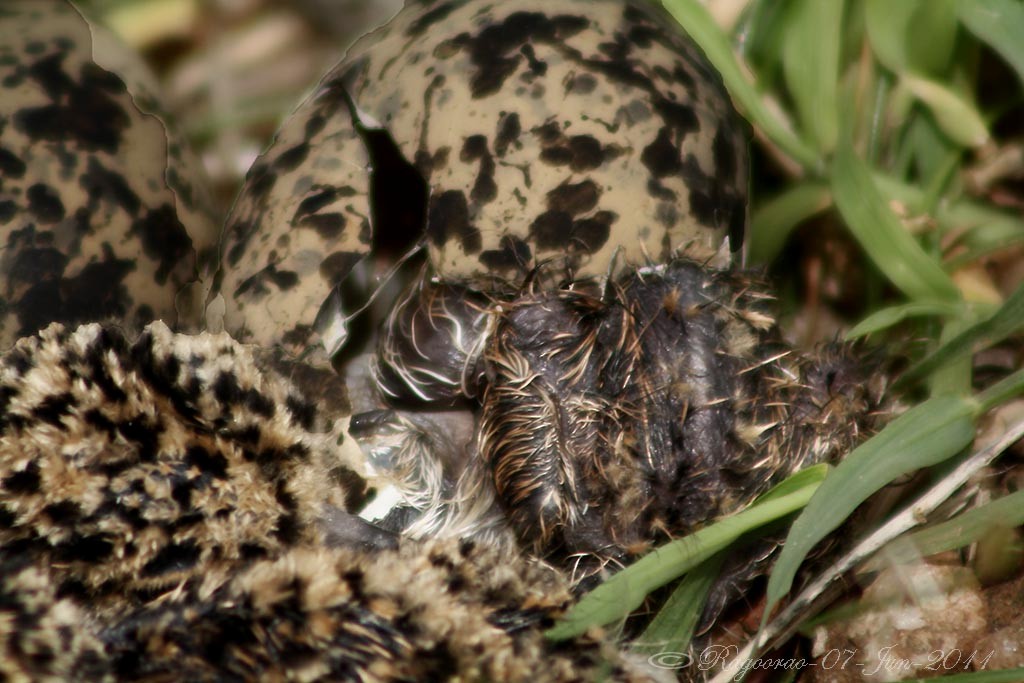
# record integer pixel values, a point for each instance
(440, 612)
(158, 519)
(591, 134)
(43, 637)
(102, 212)
(136, 469)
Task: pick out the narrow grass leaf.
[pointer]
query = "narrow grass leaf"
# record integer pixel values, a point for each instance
(1000, 24)
(810, 61)
(775, 219)
(887, 26)
(809, 476)
(982, 240)
(925, 435)
(694, 18)
(914, 35)
(671, 629)
(881, 235)
(931, 40)
(887, 317)
(957, 117)
(1007, 389)
(929, 148)
(961, 215)
(625, 591)
(1004, 322)
(955, 533)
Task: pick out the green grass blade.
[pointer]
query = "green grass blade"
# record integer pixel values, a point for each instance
(671, 630)
(624, 592)
(810, 60)
(775, 219)
(1006, 389)
(1000, 24)
(809, 476)
(1004, 322)
(925, 435)
(695, 19)
(672, 627)
(887, 317)
(931, 41)
(955, 533)
(887, 24)
(957, 117)
(915, 35)
(881, 235)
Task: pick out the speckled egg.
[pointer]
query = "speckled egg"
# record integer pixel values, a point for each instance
(103, 214)
(589, 135)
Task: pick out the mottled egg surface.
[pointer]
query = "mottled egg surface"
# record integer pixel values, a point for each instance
(102, 213)
(589, 135)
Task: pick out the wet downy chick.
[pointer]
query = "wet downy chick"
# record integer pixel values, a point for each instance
(612, 420)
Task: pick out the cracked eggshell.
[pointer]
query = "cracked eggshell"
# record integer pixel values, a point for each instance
(299, 226)
(103, 212)
(589, 134)
(574, 131)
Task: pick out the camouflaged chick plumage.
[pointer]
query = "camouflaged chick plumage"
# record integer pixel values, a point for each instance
(160, 507)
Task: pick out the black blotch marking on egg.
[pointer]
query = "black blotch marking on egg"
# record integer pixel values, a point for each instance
(259, 181)
(475, 149)
(165, 239)
(724, 152)
(8, 210)
(497, 50)
(656, 189)
(330, 226)
(448, 216)
(537, 66)
(44, 203)
(590, 234)
(661, 157)
(11, 166)
(96, 293)
(100, 183)
(551, 230)
(574, 198)
(33, 264)
(509, 130)
(677, 115)
(557, 230)
(83, 112)
(292, 157)
(581, 84)
(579, 152)
(338, 265)
(708, 202)
(257, 286)
(439, 13)
(512, 254)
